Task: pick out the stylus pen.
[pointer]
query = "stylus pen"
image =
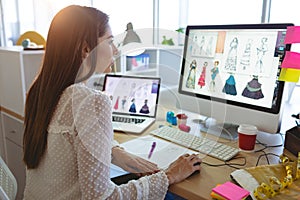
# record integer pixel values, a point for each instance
(151, 150)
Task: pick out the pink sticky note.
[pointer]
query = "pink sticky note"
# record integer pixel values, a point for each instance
(292, 35)
(291, 60)
(231, 191)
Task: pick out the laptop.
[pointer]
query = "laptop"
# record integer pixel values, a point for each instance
(134, 101)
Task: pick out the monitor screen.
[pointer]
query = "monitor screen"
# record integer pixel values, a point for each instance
(235, 64)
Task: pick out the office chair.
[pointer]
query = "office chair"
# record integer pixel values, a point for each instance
(8, 183)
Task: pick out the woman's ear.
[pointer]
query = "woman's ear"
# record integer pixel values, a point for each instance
(85, 50)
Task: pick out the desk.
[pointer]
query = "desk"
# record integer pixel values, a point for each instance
(200, 185)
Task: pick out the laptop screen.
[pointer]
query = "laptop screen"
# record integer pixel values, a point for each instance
(133, 95)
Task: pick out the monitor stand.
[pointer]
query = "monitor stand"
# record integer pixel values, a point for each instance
(226, 130)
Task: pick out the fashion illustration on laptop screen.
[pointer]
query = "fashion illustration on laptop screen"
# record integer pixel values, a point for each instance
(133, 95)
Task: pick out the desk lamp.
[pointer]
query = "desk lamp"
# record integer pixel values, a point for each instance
(132, 44)
(131, 35)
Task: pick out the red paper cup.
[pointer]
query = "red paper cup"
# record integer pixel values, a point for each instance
(247, 137)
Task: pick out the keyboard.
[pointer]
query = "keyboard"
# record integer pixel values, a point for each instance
(201, 144)
(127, 120)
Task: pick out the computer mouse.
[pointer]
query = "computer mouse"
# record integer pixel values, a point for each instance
(195, 172)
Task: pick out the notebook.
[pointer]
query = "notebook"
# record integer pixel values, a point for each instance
(134, 101)
(163, 155)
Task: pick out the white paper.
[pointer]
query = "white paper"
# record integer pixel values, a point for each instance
(164, 153)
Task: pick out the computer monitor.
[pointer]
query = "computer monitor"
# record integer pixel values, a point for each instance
(229, 74)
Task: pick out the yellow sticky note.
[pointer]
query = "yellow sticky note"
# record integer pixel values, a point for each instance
(289, 75)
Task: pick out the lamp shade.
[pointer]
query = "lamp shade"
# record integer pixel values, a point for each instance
(132, 44)
(131, 35)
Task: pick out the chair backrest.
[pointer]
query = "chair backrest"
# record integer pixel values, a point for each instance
(8, 183)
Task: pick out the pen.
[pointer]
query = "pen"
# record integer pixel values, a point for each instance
(152, 149)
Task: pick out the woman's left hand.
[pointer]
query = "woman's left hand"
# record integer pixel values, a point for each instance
(132, 163)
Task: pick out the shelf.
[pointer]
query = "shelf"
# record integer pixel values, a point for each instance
(159, 56)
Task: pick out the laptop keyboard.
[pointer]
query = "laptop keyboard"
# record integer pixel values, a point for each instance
(127, 120)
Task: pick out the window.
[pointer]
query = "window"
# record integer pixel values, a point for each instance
(173, 14)
(285, 12)
(10, 21)
(139, 13)
(31, 15)
(46, 9)
(224, 12)
(180, 13)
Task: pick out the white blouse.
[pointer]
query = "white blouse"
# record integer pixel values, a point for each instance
(76, 164)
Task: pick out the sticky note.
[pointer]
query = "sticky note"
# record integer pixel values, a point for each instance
(291, 60)
(231, 191)
(289, 75)
(216, 196)
(292, 35)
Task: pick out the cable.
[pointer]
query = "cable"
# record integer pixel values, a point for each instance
(228, 163)
(269, 146)
(266, 155)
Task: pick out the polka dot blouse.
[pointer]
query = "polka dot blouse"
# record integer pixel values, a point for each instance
(76, 164)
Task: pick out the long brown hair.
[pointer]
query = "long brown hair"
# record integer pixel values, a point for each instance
(73, 28)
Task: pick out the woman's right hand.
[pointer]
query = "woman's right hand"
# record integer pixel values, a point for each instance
(183, 167)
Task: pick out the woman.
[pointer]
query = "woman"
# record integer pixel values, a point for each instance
(68, 132)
